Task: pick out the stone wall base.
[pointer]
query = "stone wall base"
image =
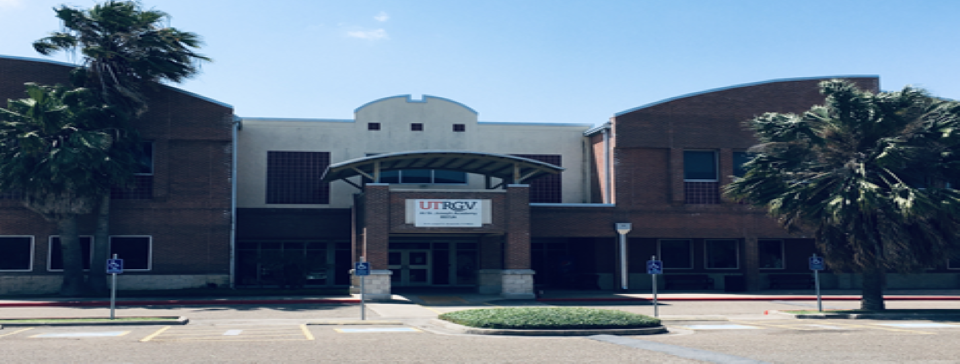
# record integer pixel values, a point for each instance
(376, 285)
(517, 284)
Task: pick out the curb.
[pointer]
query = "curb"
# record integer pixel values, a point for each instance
(181, 320)
(477, 331)
(775, 298)
(869, 316)
(177, 303)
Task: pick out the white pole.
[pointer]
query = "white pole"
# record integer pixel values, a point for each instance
(653, 278)
(113, 293)
(624, 276)
(363, 293)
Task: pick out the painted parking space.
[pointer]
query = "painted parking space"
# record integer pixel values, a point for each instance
(926, 325)
(720, 327)
(81, 334)
(228, 334)
(368, 330)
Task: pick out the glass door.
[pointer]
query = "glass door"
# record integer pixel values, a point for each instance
(411, 267)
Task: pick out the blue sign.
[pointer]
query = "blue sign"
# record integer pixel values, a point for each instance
(361, 268)
(816, 263)
(114, 266)
(654, 267)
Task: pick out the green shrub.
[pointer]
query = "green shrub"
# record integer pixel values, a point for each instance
(549, 318)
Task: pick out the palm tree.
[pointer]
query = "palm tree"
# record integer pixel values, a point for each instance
(50, 155)
(869, 174)
(125, 50)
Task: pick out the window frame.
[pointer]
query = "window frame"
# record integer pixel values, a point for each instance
(660, 254)
(459, 128)
(149, 251)
(153, 161)
(373, 126)
(783, 254)
(93, 245)
(949, 267)
(33, 251)
(706, 255)
(716, 166)
(416, 126)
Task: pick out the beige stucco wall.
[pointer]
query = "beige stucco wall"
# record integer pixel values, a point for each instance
(350, 139)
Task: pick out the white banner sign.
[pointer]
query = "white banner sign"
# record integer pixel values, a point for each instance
(448, 213)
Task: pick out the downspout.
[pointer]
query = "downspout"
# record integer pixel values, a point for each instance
(237, 124)
(606, 165)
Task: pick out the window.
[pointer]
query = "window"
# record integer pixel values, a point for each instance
(546, 189)
(771, 254)
(701, 183)
(17, 253)
(722, 254)
(142, 188)
(294, 178)
(55, 255)
(739, 159)
(676, 253)
(416, 127)
(422, 176)
(953, 263)
(136, 251)
(459, 127)
(373, 126)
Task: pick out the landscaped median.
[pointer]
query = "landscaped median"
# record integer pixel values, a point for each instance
(892, 314)
(549, 321)
(95, 321)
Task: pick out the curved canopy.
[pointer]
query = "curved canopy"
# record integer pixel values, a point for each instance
(506, 167)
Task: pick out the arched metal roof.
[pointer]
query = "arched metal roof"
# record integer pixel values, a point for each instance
(506, 167)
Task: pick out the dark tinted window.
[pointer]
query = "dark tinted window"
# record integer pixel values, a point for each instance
(134, 250)
(699, 166)
(294, 178)
(676, 253)
(16, 252)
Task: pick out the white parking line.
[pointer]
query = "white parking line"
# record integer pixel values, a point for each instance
(232, 332)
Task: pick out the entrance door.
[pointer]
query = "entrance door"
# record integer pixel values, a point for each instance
(411, 267)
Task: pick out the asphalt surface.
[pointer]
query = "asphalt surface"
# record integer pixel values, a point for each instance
(704, 331)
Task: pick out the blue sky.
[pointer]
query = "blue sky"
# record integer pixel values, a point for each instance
(532, 60)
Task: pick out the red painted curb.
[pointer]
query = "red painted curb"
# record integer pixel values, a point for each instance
(781, 298)
(174, 303)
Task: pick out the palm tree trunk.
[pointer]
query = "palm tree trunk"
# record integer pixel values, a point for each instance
(872, 298)
(72, 256)
(97, 276)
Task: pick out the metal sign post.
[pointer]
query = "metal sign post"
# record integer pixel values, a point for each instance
(623, 228)
(362, 269)
(816, 265)
(654, 267)
(114, 267)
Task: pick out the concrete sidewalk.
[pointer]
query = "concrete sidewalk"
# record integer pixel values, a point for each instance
(441, 298)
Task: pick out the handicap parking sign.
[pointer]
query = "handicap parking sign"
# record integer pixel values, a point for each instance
(361, 269)
(114, 266)
(654, 267)
(816, 263)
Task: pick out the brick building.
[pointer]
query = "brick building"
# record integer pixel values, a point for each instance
(173, 229)
(433, 197)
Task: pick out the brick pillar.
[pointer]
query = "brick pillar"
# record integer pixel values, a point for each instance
(375, 225)
(677, 196)
(751, 263)
(376, 229)
(726, 170)
(517, 278)
(491, 264)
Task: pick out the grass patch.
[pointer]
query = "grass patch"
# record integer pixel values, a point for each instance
(549, 318)
(207, 293)
(890, 311)
(85, 319)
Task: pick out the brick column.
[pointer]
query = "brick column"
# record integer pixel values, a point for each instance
(517, 278)
(676, 176)
(375, 214)
(376, 229)
(751, 263)
(726, 170)
(491, 264)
